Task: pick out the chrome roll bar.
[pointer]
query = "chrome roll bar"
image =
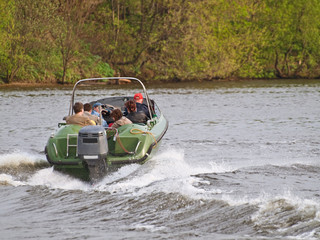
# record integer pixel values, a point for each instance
(109, 78)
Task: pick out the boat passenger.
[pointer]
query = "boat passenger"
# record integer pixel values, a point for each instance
(88, 112)
(96, 112)
(141, 107)
(96, 109)
(133, 115)
(78, 117)
(119, 119)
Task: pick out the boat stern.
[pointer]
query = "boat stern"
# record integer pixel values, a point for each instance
(93, 150)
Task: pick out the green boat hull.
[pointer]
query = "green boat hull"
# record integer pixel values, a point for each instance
(131, 143)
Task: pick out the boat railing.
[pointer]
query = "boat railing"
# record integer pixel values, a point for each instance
(151, 123)
(110, 78)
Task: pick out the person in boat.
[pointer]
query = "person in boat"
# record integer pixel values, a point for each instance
(88, 112)
(133, 115)
(141, 107)
(96, 112)
(96, 109)
(119, 119)
(78, 118)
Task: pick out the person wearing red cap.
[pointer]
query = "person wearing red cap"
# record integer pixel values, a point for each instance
(138, 97)
(141, 107)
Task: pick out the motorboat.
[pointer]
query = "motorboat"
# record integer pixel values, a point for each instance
(90, 152)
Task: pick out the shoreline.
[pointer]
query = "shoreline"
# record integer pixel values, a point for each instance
(50, 85)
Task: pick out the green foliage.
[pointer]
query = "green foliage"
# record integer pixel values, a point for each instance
(6, 26)
(62, 41)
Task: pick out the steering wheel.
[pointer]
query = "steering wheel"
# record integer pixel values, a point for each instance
(108, 107)
(106, 110)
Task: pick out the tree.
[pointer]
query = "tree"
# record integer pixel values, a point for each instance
(12, 54)
(69, 27)
(292, 36)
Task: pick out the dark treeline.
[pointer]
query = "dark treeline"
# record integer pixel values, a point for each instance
(65, 40)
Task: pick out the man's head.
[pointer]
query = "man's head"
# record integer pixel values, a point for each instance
(96, 106)
(138, 97)
(78, 107)
(87, 107)
(116, 114)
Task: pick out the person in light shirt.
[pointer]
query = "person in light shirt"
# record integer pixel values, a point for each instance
(96, 112)
(78, 118)
(88, 112)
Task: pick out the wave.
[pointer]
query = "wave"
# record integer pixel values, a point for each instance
(288, 215)
(167, 172)
(179, 184)
(8, 180)
(16, 167)
(18, 158)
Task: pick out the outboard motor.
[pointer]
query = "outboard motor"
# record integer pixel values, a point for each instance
(93, 149)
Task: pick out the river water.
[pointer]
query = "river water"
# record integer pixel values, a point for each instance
(240, 160)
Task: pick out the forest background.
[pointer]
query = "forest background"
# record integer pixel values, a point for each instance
(61, 41)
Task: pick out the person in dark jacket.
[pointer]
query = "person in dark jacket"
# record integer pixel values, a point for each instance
(141, 107)
(133, 115)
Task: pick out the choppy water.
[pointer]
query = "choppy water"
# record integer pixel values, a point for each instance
(241, 160)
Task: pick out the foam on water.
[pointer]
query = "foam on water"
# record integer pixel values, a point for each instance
(144, 227)
(288, 214)
(53, 179)
(270, 204)
(121, 173)
(18, 158)
(40, 174)
(167, 172)
(168, 165)
(6, 179)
